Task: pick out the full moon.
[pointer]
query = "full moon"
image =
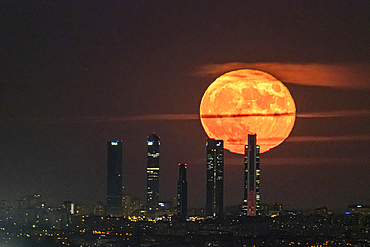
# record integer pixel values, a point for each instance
(246, 101)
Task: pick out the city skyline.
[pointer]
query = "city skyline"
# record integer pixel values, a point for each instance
(114, 178)
(74, 75)
(182, 193)
(152, 172)
(215, 178)
(252, 172)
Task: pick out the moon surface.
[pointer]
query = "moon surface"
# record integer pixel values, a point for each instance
(246, 101)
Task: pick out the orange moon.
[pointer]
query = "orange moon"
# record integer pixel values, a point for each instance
(246, 101)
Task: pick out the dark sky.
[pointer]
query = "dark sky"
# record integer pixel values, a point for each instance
(75, 74)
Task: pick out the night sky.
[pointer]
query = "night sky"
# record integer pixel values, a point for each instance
(76, 74)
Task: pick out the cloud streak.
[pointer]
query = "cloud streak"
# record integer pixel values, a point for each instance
(335, 114)
(187, 117)
(291, 161)
(192, 117)
(349, 138)
(304, 161)
(104, 119)
(328, 114)
(344, 75)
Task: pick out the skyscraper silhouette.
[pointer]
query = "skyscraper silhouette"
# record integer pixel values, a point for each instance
(251, 177)
(182, 193)
(114, 179)
(152, 171)
(215, 178)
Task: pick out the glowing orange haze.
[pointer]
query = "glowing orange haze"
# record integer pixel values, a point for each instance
(331, 75)
(245, 102)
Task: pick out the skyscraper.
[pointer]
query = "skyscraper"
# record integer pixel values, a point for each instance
(251, 177)
(114, 179)
(152, 172)
(215, 178)
(182, 193)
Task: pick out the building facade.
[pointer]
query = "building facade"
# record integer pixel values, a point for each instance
(182, 193)
(215, 178)
(251, 177)
(114, 179)
(152, 171)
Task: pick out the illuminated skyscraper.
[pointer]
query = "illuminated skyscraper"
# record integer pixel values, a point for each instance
(153, 174)
(215, 178)
(182, 193)
(114, 179)
(251, 177)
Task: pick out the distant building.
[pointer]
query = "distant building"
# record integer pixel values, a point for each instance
(358, 209)
(32, 201)
(69, 206)
(99, 209)
(83, 209)
(182, 193)
(152, 172)
(114, 179)
(251, 177)
(264, 209)
(126, 204)
(322, 211)
(215, 178)
(277, 206)
(276, 209)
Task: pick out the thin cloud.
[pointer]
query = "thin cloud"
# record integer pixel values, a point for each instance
(103, 119)
(291, 161)
(345, 138)
(246, 115)
(187, 117)
(327, 114)
(346, 75)
(335, 114)
(303, 161)
(315, 161)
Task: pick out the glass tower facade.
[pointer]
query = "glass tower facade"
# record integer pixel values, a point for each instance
(215, 178)
(251, 177)
(152, 172)
(182, 193)
(114, 179)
